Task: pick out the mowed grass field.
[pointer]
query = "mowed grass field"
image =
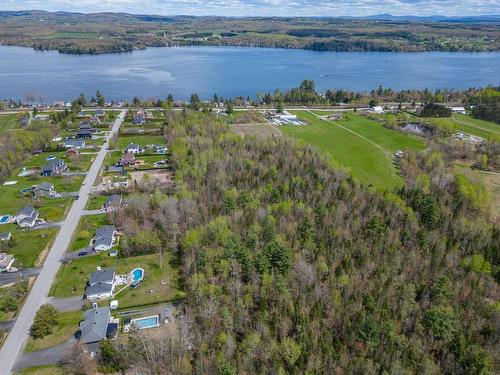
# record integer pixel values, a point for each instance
(480, 128)
(363, 146)
(8, 122)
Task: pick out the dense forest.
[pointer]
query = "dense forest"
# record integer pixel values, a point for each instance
(292, 267)
(121, 32)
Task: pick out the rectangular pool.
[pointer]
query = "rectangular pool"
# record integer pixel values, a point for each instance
(147, 322)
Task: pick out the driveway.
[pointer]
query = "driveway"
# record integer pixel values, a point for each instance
(13, 345)
(92, 212)
(47, 225)
(11, 277)
(67, 304)
(44, 357)
(7, 325)
(74, 254)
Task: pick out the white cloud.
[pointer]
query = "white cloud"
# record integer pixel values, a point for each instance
(265, 7)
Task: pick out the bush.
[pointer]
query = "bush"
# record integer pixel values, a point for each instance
(45, 321)
(435, 110)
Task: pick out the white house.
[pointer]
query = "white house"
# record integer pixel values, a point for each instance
(134, 149)
(377, 109)
(27, 217)
(104, 238)
(101, 284)
(458, 110)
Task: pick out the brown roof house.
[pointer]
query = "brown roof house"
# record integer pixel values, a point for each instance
(127, 159)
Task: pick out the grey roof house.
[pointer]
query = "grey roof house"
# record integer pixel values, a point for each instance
(76, 143)
(5, 236)
(5, 262)
(26, 218)
(104, 238)
(97, 325)
(101, 284)
(54, 167)
(45, 189)
(112, 203)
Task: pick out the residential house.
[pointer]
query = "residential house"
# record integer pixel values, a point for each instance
(84, 133)
(95, 120)
(104, 238)
(97, 325)
(5, 236)
(134, 149)
(160, 150)
(45, 189)
(23, 122)
(6, 262)
(101, 284)
(58, 104)
(127, 159)
(27, 217)
(54, 167)
(99, 112)
(149, 115)
(460, 110)
(112, 203)
(377, 109)
(74, 143)
(72, 153)
(139, 118)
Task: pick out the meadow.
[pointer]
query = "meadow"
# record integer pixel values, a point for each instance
(360, 145)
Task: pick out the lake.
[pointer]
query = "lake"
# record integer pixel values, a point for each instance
(229, 71)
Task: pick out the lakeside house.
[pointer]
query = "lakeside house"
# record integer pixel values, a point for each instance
(101, 284)
(97, 325)
(112, 203)
(74, 143)
(54, 167)
(6, 262)
(127, 159)
(26, 218)
(104, 238)
(460, 110)
(44, 189)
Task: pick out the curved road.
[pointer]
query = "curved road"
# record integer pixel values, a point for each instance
(13, 346)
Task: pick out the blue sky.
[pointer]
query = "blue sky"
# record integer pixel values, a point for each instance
(265, 7)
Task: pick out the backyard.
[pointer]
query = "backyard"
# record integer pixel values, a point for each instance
(159, 285)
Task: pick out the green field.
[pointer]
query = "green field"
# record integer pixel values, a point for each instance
(363, 146)
(141, 140)
(27, 244)
(67, 325)
(72, 277)
(8, 122)
(479, 128)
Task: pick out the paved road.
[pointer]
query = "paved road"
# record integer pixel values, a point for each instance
(13, 346)
(10, 277)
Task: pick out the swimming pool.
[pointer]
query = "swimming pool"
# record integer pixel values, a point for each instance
(146, 322)
(137, 275)
(4, 219)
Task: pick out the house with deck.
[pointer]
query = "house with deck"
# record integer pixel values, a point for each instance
(104, 238)
(101, 284)
(54, 167)
(26, 218)
(44, 189)
(97, 325)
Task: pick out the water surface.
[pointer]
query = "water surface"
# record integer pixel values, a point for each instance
(229, 71)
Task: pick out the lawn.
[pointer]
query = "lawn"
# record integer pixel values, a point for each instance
(388, 139)
(41, 370)
(368, 162)
(79, 164)
(141, 140)
(86, 230)
(479, 128)
(96, 202)
(27, 244)
(51, 209)
(72, 277)
(67, 325)
(8, 122)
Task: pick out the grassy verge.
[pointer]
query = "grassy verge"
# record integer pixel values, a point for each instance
(41, 370)
(141, 140)
(67, 325)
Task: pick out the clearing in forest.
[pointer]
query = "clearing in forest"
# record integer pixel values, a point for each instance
(363, 146)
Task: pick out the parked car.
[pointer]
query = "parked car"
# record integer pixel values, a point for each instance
(82, 253)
